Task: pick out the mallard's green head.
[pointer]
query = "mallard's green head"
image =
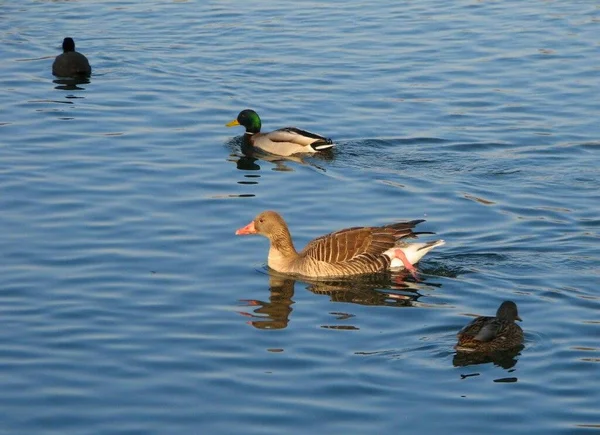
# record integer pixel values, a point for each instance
(68, 45)
(249, 119)
(508, 311)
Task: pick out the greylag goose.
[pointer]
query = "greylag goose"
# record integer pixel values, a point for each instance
(492, 334)
(351, 251)
(286, 141)
(71, 63)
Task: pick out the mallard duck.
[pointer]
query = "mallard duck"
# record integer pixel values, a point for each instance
(352, 251)
(491, 334)
(283, 142)
(71, 63)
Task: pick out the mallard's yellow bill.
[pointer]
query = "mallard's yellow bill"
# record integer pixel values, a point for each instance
(232, 123)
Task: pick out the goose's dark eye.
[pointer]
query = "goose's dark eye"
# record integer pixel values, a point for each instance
(261, 220)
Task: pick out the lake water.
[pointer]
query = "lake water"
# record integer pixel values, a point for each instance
(128, 305)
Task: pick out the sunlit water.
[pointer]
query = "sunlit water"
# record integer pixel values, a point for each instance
(129, 306)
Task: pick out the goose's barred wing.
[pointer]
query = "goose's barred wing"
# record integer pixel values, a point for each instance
(349, 244)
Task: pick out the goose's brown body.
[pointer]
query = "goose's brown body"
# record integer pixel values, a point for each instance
(350, 251)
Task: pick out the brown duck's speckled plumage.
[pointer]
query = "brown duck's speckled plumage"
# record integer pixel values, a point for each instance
(351, 251)
(492, 334)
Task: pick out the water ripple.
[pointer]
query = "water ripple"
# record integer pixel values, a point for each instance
(130, 306)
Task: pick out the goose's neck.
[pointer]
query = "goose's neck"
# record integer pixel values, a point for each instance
(282, 252)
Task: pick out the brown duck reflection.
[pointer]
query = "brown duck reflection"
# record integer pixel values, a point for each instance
(505, 359)
(381, 289)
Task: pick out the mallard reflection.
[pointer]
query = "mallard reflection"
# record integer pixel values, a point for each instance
(247, 158)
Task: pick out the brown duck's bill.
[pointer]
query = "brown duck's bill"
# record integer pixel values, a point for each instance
(248, 229)
(519, 319)
(232, 123)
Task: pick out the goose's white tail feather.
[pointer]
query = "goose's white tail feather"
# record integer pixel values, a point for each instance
(413, 251)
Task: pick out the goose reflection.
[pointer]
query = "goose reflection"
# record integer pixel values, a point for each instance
(384, 289)
(274, 313)
(381, 289)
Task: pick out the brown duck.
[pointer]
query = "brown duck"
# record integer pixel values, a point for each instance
(351, 251)
(492, 334)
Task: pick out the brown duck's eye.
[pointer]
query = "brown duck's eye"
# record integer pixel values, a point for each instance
(261, 220)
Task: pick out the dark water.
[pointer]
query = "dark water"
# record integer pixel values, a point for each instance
(128, 305)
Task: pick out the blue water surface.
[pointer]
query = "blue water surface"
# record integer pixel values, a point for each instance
(128, 305)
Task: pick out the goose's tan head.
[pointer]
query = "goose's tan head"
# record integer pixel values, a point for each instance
(268, 223)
